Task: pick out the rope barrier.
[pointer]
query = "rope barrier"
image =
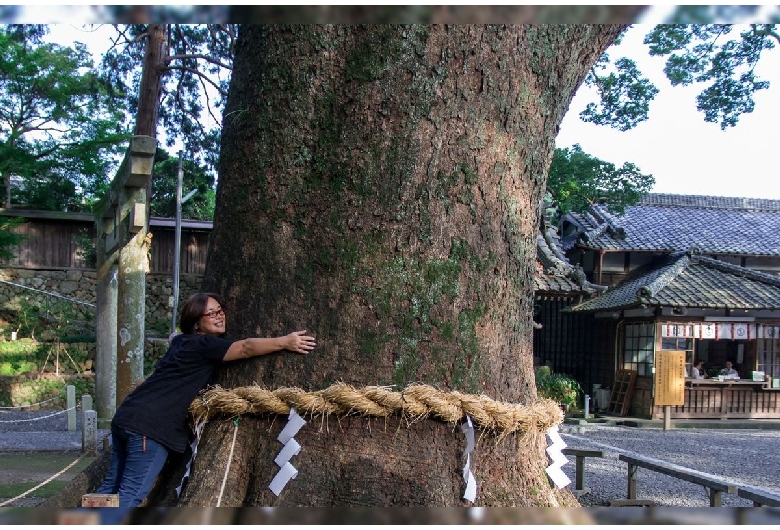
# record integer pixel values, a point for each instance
(42, 483)
(49, 293)
(414, 403)
(31, 404)
(41, 417)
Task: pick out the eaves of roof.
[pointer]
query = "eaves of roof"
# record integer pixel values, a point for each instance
(85, 217)
(687, 279)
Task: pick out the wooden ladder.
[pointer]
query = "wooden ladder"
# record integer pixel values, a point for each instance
(622, 391)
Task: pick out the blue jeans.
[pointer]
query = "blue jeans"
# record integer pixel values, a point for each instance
(135, 463)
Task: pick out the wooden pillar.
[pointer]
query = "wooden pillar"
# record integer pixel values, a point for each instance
(123, 249)
(579, 474)
(632, 481)
(105, 344)
(130, 330)
(716, 498)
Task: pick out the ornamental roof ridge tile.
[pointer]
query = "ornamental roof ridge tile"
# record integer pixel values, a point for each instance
(710, 202)
(740, 271)
(718, 225)
(608, 217)
(547, 257)
(555, 273)
(678, 261)
(625, 294)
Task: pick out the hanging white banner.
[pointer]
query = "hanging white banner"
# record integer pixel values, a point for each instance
(290, 449)
(194, 449)
(558, 459)
(677, 330)
(767, 332)
(705, 331)
(468, 477)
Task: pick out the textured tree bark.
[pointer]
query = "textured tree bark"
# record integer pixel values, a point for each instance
(151, 82)
(380, 187)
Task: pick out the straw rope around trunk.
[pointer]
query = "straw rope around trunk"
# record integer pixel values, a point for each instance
(414, 403)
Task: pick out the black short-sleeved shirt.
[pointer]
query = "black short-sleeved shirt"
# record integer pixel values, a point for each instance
(158, 407)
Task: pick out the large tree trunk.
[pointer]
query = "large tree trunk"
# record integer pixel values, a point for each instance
(380, 187)
(151, 81)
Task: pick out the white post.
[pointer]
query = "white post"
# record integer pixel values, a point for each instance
(587, 406)
(89, 433)
(86, 403)
(70, 405)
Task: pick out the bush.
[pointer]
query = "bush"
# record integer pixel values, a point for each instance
(559, 387)
(21, 367)
(20, 356)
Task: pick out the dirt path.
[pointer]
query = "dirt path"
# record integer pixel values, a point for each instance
(20, 472)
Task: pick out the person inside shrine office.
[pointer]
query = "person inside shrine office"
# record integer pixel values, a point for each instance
(729, 370)
(153, 419)
(697, 370)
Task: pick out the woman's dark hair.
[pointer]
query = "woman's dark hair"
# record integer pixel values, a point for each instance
(193, 310)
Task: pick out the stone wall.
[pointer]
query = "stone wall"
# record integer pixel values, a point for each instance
(46, 391)
(44, 387)
(40, 287)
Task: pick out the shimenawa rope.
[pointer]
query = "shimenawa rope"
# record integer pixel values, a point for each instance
(414, 403)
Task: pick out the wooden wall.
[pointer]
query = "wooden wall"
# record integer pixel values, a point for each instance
(573, 343)
(51, 243)
(194, 247)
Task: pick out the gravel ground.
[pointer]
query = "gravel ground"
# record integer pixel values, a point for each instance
(41, 430)
(747, 456)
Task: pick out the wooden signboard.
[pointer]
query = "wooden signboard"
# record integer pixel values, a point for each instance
(670, 378)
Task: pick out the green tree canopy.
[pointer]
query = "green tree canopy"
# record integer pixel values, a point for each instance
(577, 180)
(720, 56)
(8, 237)
(194, 80)
(60, 126)
(194, 177)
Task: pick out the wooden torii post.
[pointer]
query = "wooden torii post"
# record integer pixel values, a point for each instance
(122, 242)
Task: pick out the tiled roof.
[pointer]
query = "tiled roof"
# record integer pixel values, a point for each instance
(686, 279)
(554, 273)
(550, 279)
(548, 283)
(667, 223)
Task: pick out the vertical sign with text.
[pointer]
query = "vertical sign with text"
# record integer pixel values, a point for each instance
(670, 378)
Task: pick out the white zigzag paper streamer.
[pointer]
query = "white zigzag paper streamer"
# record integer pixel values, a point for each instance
(290, 449)
(468, 477)
(194, 448)
(558, 459)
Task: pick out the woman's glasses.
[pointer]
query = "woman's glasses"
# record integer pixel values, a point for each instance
(214, 313)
